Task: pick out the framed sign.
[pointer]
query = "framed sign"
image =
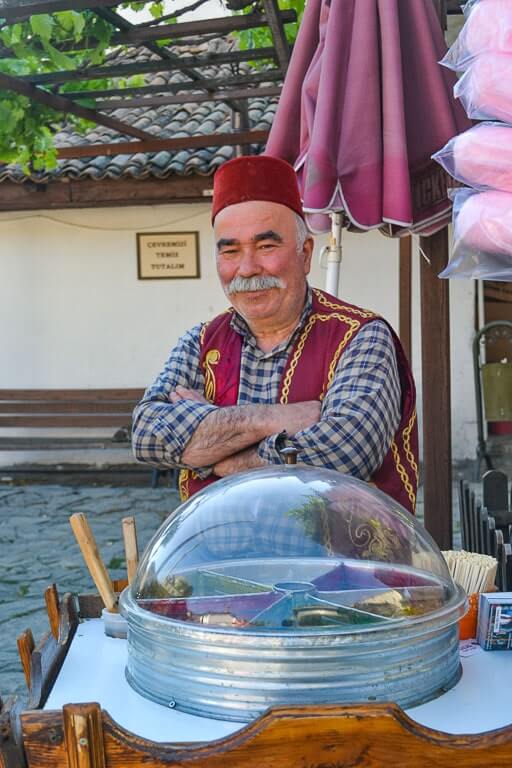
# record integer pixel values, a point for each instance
(168, 255)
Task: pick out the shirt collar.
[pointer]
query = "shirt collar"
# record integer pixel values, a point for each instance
(240, 326)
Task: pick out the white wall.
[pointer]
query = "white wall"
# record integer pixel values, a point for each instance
(74, 314)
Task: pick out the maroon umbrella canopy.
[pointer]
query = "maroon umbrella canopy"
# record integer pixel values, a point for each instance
(364, 106)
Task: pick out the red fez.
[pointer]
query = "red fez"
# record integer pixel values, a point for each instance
(256, 177)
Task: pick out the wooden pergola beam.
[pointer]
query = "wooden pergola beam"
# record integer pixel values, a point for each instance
(18, 10)
(161, 145)
(221, 26)
(62, 104)
(144, 67)
(276, 24)
(125, 26)
(160, 51)
(213, 86)
(190, 98)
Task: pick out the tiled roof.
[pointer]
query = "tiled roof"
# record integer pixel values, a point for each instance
(172, 121)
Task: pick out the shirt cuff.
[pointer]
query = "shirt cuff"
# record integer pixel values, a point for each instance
(269, 448)
(186, 417)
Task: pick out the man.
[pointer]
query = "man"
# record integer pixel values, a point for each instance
(285, 362)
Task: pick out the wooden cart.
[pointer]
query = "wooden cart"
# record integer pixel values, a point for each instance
(84, 735)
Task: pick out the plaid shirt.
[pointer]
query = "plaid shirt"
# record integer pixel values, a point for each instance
(360, 412)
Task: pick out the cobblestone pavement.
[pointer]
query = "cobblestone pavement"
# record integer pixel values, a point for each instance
(37, 547)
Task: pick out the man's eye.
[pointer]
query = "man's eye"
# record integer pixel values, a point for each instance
(266, 246)
(228, 251)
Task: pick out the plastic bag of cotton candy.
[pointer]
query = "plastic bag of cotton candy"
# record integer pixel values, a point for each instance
(480, 157)
(487, 29)
(485, 89)
(482, 235)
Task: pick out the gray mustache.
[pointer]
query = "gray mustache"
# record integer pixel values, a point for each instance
(255, 283)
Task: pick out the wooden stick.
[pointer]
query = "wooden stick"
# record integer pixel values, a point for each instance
(95, 564)
(51, 597)
(130, 547)
(25, 647)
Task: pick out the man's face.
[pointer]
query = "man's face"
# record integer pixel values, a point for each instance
(257, 250)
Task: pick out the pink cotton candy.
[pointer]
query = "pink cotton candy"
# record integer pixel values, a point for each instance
(484, 223)
(489, 27)
(486, 88)
(483, 157)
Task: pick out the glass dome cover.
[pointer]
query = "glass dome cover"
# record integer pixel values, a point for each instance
(292, 549)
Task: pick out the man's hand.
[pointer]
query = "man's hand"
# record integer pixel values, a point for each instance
(239, 462)
(182, 393)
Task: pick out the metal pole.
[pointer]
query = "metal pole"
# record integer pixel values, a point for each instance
(334, 253)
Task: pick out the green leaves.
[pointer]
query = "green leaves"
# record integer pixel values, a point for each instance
(262, 37)
(70, 40)
(25, 133)
(156, 10)
(59, 59)
(42, 25)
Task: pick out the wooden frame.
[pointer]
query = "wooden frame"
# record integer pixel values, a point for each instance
(168, 255)
(373, 736)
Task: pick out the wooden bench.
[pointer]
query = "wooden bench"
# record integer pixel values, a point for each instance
(39, 410)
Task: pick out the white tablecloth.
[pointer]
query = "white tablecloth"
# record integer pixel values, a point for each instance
(94, 671)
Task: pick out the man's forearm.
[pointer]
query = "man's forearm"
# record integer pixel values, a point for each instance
(229, 430)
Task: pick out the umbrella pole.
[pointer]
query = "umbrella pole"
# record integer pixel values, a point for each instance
(334, 254)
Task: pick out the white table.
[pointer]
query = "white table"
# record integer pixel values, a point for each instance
(94, 671)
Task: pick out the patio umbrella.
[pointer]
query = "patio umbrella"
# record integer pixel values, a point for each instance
(364, 106)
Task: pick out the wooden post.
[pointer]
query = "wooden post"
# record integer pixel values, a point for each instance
(404, 309)
(435, 359)
(83, 734)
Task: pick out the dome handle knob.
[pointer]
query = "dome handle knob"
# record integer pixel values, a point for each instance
(289, 454)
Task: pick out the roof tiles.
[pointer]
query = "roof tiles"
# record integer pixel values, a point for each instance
(171, 121)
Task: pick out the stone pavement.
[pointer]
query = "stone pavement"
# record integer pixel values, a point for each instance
(37, 547)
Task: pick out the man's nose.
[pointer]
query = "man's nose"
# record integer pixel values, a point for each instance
(248, 264)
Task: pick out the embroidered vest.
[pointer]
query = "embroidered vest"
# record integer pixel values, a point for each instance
(307, 375)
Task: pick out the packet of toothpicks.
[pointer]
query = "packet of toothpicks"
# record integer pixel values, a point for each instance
(474, 572)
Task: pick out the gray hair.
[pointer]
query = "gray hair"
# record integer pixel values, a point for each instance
(302, 232)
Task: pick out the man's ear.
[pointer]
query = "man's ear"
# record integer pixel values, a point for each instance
(307, 252)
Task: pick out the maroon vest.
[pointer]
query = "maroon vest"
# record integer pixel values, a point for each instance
(308, 373)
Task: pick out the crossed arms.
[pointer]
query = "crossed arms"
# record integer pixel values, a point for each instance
(228, 437)
(351, 431)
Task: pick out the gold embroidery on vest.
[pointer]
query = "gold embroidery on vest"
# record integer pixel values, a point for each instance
(185, 476)
(361, 312)
(212, 357)
(183, 485)
(407, 445)
(403, 475)
(354, 326)
(375, 539)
